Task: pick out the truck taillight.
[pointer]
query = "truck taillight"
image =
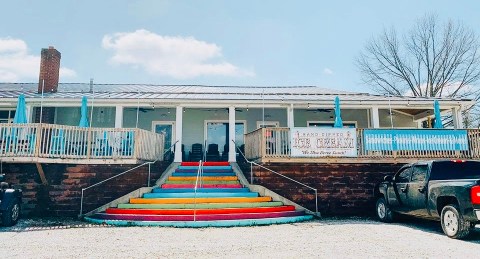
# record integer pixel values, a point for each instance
(475, 194)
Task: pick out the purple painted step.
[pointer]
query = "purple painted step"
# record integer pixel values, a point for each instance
(202, 217)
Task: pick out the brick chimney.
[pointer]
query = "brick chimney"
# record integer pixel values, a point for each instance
(49, 70)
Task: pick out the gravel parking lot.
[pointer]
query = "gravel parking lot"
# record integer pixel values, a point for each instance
(326, 238)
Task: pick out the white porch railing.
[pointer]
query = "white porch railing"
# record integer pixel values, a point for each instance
(274, 143)
(36, 140)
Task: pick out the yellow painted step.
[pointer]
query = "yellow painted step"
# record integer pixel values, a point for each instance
(205, 178)
(198, 200)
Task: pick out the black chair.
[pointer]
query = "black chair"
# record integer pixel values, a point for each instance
(196, 154)
(212, 153)
(240, 158)
(225, 152)
(184, 157)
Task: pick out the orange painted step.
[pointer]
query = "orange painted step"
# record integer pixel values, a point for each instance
(197, 200)
(198, 211)
(206, 164)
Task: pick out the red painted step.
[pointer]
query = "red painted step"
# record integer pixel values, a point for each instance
(206, 163)
(198, 211)
(175, 186)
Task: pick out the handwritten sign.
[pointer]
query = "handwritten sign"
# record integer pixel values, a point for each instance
(324, 142)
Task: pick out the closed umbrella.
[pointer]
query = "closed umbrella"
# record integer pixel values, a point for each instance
(338, 117)
(83, 113)
(438, 117)
(20, 113)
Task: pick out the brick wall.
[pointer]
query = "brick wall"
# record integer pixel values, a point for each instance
(343, 189)
(61, 197)
(49, 70)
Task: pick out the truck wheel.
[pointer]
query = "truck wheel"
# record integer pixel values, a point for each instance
(453, 223)
(12, 214)
(384, 213)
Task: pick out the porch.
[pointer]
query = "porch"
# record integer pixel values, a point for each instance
(52, 143)
(274, 145)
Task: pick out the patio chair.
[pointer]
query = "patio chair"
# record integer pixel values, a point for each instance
(225, 152)
(103, 147)
(127, 143)
(196, 153)
(212, 152)
(57, 142)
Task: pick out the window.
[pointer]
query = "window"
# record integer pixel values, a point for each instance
(419, 173)
(403, 176)
(6, 116)
(457, 169)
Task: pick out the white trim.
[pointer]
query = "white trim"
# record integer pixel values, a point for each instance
(119, 116)
(275, 124)
(231, 133)
(375, 118)
(332, 122)
(178, 134)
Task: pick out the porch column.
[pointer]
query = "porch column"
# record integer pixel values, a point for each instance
(232, 154)
(29, 113)
(290, 121)
(375, 118)
(457, 118)
(119, 116)
(178, 134)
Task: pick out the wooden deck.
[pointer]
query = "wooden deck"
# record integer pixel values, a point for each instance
(50, 143)
(273, 145)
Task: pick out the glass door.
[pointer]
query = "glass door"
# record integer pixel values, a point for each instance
(217, 139)
(167, 129)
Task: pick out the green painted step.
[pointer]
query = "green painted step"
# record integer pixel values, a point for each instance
(204, 182)
(201, 205)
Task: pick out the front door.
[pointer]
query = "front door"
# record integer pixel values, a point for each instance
(416, 202)
(167, 128)
(397, 193)
(217, 136)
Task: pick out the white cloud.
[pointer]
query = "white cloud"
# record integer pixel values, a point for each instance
(17, 64)
(327, 71)
(177, 57)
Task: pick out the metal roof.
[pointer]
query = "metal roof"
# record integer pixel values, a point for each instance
(198, 92)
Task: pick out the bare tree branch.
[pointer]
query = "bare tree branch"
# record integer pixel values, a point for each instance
(431, 60)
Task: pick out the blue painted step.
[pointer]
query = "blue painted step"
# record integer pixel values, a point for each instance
(205, 167)
(200, 194)
(164, 190)
(204, 174)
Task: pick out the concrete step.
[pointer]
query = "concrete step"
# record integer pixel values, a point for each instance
(201, 205)
(200, 194)
(198, 200)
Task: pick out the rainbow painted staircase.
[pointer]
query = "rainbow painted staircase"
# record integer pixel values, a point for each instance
(220, 201)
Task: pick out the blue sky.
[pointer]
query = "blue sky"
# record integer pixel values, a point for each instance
(207, 42)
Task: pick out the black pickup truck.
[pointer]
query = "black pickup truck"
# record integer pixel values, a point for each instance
(445, 190)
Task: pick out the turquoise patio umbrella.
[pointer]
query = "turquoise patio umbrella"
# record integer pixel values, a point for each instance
(338, 117)
(21, 112)
(438, 117)
(83, 113)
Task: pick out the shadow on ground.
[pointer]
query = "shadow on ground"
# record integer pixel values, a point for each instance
(55, 223)
(39, 224)
(403, 221)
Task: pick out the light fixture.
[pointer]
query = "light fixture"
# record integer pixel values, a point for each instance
(308, 105)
